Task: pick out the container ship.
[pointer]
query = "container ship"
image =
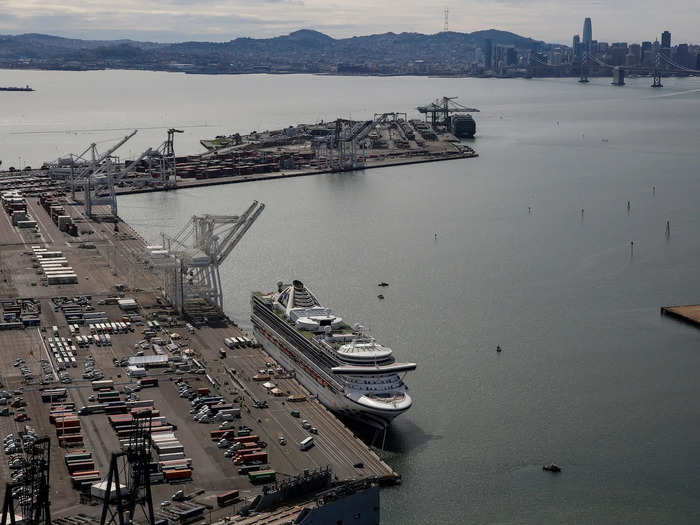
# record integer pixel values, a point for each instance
(463, 126)
(348, 371)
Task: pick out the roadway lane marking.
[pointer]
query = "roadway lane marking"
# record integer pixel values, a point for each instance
(46, 350)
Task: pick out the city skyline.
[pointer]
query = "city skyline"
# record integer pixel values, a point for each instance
(219, 20)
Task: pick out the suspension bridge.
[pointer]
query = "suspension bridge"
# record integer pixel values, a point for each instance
(662, 66)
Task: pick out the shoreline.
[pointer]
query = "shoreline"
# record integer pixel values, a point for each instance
(334, 74)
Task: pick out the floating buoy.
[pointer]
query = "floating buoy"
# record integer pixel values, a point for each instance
(552, 467)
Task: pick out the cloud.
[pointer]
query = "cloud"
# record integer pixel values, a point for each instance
(177, 20)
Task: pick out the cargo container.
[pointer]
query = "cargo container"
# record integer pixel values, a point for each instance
(217, 435)
(62, 279)
(145, 403)
(78, 456)
(255, 457)
(222, 500)
(115, 410)
(80, 481)
(80, 466)
(53, 394)
(169, 447)
(60, 432)
(71, 441)
(163, 429)
(176, 475)
(103, 383)
(175, 462)
(67, 421)
(112, 395)
(202, 391)
(171, 456)
(148, 381)
(262, 476)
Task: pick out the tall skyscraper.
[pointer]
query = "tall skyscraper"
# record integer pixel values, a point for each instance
(587, 33)
(646, 52)
(666, 39)
(578, 47)
(488, 53)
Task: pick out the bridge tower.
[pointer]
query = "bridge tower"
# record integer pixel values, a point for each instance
(618, 78)
(657, 72)
(584, 69)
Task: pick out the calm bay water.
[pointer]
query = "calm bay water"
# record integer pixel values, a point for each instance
(590, 377)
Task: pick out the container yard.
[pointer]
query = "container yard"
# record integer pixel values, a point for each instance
(93, 350)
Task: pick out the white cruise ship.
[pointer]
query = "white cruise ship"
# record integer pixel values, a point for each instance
(349, 372)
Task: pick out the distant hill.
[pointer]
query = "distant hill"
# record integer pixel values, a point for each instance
(301, 50)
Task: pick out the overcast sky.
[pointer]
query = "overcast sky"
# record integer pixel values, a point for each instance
(222, 20)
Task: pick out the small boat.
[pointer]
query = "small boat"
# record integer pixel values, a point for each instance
(380, 296)
(383, 284)
(552, 467)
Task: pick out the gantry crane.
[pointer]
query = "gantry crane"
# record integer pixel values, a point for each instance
(97, 174)
(192, 279)
(32, 491)
(341, 150)
(440, 110)
(153, 167)
(96, 178)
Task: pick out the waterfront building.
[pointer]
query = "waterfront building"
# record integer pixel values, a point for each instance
(618, 52)
(646, 54)
(682, 55)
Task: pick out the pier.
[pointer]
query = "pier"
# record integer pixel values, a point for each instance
(688, 314)
(110, 264)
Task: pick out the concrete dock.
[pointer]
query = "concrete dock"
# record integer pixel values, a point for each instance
(103, 258)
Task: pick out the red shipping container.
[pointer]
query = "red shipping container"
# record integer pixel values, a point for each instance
(71, 439)
(227, 498)
(164, 428)
(67, 422)
(173, 475)
(246, 439)
(255, 457)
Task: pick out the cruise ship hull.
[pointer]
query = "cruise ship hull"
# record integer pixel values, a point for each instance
(287, 355)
